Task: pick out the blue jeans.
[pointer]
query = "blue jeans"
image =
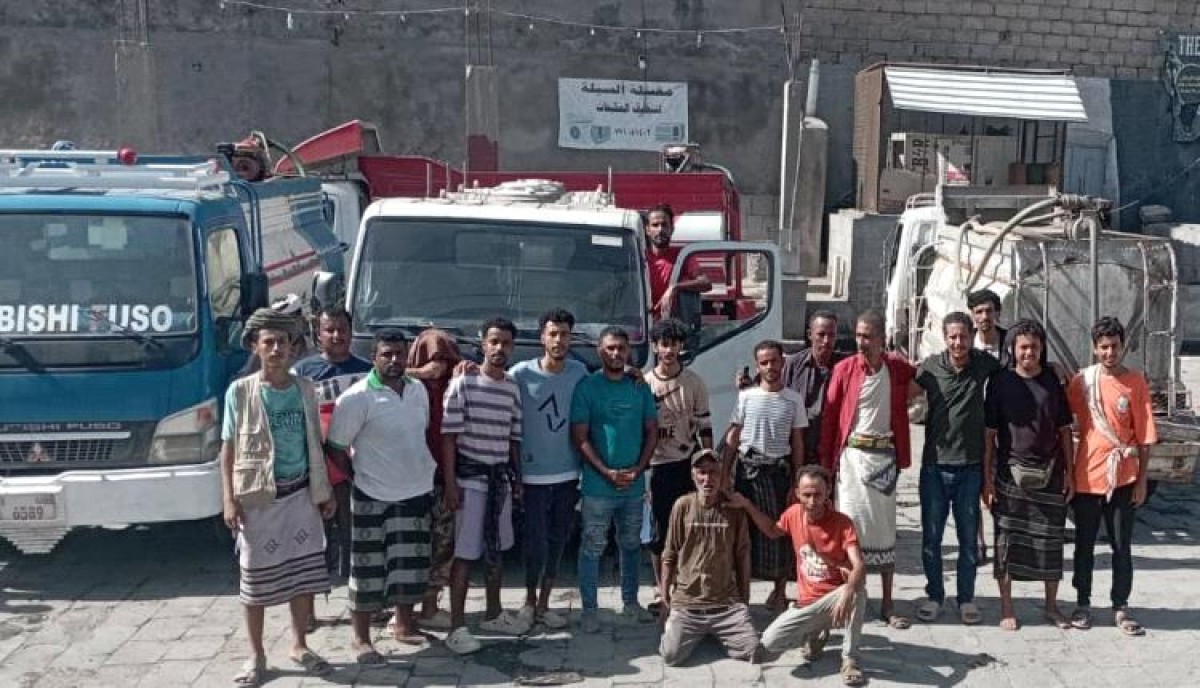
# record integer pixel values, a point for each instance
(946, 489)
(549, 515)
(596, 514)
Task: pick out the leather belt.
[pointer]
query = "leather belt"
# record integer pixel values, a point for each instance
(869, 442)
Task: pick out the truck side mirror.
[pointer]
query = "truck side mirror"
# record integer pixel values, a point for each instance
(255, 292)
(327, 289)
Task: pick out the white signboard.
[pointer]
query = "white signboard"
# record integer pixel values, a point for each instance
(607, 114)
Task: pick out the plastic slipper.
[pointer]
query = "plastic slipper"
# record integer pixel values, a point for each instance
(898, 622)
(851, 674)
(1127, 624)
(1081, 618)
(371, 658)
(313, 663)
(928, 610)
(252, 674)
(969, 613)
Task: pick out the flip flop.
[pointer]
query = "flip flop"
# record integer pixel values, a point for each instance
(409, 639)
(1128, 625)
(252, 674)
(1081, 618)
(313, 663)
(898, 622)
(371, 658)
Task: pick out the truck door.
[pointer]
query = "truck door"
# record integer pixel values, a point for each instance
(750, 311)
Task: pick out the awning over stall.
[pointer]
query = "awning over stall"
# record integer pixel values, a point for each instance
(1051, 96)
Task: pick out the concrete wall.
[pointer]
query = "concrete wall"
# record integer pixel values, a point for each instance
(209, 74)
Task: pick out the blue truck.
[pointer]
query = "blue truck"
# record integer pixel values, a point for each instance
(124, 283)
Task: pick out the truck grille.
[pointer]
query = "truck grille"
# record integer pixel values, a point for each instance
(52, 448)
(56, 451)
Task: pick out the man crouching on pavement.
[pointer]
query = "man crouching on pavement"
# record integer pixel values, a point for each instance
(275, 490)
(706, 571)
(830, 573)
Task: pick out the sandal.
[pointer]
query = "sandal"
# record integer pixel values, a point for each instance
(898, 622)
(928, 610)
(1128, 625)
(313, 663)
(969, 613)
(371, 658)
(1081, 618)
(252, 674)
(851, 674)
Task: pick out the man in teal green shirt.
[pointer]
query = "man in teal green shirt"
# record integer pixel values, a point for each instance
(614, 423)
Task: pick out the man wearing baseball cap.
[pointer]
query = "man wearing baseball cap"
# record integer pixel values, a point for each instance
(706, 570)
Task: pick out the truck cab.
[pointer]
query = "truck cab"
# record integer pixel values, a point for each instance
(123, 286)
(524, 247)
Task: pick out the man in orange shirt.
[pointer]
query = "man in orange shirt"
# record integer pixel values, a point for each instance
(1115, 419)
(830, 573)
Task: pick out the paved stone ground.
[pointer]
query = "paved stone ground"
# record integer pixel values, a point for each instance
(156, 607)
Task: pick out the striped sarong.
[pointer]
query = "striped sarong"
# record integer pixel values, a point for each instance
(873, 511)
(1030, 528)
(281, 549)
(767, 483)
(389, 551)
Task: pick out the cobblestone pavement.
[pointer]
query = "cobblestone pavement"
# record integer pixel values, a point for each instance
(156, 606)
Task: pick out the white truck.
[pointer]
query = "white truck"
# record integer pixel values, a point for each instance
(521, 248)
(1049, 258)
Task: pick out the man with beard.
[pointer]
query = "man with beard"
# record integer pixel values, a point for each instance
(660, 261)
(334, 370)
(382, 420)
(1027, 471)
(951, 465)
(550, 464)
(706, 570)
(1115, 417)
(683, 420)
(481, 456)
(989, 336)
(614, 423)
(766, 437)
(275, 491)
(830, 574)
(865, 444)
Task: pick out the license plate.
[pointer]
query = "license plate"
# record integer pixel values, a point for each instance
(28, 508)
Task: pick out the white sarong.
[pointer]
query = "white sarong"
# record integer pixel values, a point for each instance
(873, 512)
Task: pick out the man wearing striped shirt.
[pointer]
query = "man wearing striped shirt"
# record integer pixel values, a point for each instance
(481, 453)
(766, 434)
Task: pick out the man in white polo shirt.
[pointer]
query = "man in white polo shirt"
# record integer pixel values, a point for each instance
(383, 418)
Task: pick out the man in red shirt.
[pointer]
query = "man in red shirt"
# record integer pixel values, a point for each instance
(660, 261)
(865, 440)
(830, 573)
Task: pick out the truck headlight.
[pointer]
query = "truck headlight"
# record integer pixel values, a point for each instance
(190, 436)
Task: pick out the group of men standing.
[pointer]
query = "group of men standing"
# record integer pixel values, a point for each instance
(421, 463)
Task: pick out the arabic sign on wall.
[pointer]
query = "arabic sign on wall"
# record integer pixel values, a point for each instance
(1182, 67)
(607, 114)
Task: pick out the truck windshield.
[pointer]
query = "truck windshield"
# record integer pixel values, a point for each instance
(122, 279)
(457, 274)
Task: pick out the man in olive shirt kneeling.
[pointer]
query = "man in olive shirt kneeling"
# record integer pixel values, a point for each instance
(706, 571)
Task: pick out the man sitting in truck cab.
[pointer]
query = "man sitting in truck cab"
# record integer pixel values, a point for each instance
(660, 261)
